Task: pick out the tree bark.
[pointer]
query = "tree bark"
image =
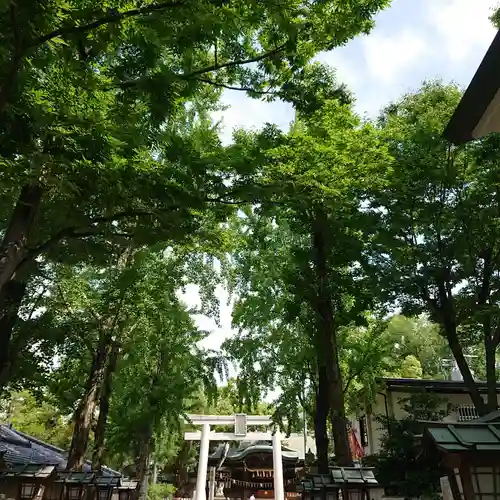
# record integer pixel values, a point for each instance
(15, 240)
(12, 289)
(463, 366)
(320, 422)
(444, 313)
(143, 463)
(104, 398)
(491, 371)
(327, 342)
(86, 409)
(11, 297)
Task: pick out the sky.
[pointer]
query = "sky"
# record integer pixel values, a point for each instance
(413, 41)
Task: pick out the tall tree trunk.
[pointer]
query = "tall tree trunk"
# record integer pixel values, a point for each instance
(444, 313)
(15, 240)
(463, 366)
(491, 371)
(104, 407)
(11, 297)
(327, 341)
(320, 422)
(13, 289)
(143, 462)
(86, 409)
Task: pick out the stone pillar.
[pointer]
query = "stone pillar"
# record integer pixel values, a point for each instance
(279, 490)
(201, 481)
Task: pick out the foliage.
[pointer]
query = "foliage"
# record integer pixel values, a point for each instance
(495, 17)
(397, 466)
(411, 367)
(40, 419)
(421, 339)
(314, 177)
(437, 250)
(160, 491)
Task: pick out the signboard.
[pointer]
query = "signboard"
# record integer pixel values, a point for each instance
(240, 424)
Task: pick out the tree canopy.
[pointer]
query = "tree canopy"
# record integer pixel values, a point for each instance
(352, 249)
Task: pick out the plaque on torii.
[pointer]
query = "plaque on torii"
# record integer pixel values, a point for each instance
(240, 423)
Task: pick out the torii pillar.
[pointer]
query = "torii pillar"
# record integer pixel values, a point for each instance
(240, 422)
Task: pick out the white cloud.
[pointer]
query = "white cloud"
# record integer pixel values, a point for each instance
(345, 70)
(388, 56)
(462, 26)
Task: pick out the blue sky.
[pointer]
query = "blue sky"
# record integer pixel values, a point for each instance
(412, 41)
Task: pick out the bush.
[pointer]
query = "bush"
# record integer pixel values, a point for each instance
(160, 491)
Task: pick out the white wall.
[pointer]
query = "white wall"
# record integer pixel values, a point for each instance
(394, 410)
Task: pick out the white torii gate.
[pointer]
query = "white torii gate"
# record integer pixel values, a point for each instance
(240, 422)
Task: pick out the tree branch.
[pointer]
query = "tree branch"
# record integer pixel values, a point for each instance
(110, 18)
(216, 66)
(237, 62)
(241, 89)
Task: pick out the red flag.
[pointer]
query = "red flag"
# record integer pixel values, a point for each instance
(356, 450)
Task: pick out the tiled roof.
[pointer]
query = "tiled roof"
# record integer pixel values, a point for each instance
(463, 436)
(19, 448)
(439, 386)
(237, 454)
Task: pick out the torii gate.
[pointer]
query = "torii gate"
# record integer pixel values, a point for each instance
(240, 422)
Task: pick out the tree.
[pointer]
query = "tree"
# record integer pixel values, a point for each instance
(40, 419)
(495, 17)
(438, 247)
(420, 338)
(54, 66)
(411, 368)
(93, 106)
(99, 312)
(314, 177)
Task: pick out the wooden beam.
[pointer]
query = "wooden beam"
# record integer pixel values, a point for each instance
(229, 436)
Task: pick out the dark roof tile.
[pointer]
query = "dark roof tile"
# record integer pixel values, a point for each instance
(19, 448)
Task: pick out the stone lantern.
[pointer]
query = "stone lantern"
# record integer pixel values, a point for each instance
(470, 452)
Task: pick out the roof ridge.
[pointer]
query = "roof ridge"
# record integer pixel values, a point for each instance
(38, 441)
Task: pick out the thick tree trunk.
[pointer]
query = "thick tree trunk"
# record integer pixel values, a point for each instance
(327, 341)
(86, 410)
(104, 398)
(143, 463)
(338, 418)
(463, 366)
(320, 422)
(444, 313)
(11, 297)
(491, 371)
(12, 289)
(15, 240)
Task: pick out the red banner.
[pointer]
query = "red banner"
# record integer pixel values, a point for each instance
(356, 450)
